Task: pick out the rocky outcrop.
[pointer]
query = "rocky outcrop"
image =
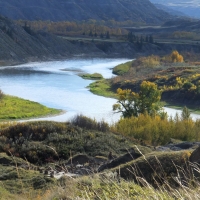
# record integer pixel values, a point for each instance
(79, 160)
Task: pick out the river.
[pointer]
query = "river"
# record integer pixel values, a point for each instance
(56, 84)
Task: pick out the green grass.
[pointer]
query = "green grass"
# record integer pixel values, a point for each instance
(94, 76)
(102, 88)
(122, 68)
(17, 176)
(17, 108)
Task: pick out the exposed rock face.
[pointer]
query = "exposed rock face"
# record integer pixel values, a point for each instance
(195, 156)
(59, 10)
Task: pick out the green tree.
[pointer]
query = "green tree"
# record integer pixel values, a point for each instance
(185, 115)
(107, 35)
(132, 104)
(91, 34)
(147, 39)
(1, 94)
(151, 40)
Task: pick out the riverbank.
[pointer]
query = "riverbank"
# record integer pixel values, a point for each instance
(179, 82)
(14, 108)
(104, 88)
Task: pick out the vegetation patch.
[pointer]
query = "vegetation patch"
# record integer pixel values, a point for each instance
(95, 76)
(45, 142)
(102, 88)
(179, 81)
(158, 130)
(17, 108)
(122, 68)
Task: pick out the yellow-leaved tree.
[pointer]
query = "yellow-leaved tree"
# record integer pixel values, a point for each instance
(176, 57)
(132, 104)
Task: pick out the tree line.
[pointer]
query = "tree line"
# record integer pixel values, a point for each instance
(72, 28)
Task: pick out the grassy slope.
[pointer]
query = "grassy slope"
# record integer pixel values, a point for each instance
(17, 108)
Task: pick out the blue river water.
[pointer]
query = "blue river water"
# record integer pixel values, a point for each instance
(56, 84)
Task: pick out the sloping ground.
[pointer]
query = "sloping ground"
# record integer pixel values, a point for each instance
(19, 44)
(59, 10)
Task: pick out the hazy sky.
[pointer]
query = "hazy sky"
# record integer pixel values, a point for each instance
(185, 3)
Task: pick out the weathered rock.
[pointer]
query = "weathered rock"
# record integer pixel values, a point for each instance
(120, 160)
(79, 159)
(162, 148)
(156, 168)
(195, 156)
(100, 159)
(178, 146)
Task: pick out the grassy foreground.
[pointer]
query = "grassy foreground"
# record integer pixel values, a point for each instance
(27, 148)
(17, 108)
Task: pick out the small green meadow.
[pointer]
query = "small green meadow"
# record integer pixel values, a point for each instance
(94, 76)
(17, 108)
(102, 88)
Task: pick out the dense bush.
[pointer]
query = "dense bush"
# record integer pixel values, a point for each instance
(155, 130)
(37, 131)
(88, 123)
(44, 142)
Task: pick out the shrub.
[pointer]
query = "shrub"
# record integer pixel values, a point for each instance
(176, 57)
(122, 68)
(1, 94)
(147, 62)
(187, 85)
(158, 130)
(88, 123)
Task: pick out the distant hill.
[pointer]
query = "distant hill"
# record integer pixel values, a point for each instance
(59, 10)
(190, 8)
(171, 11)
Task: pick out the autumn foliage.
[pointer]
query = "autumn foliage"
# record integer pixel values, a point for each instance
(176, 57)
(132, 104)
(156, 130)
